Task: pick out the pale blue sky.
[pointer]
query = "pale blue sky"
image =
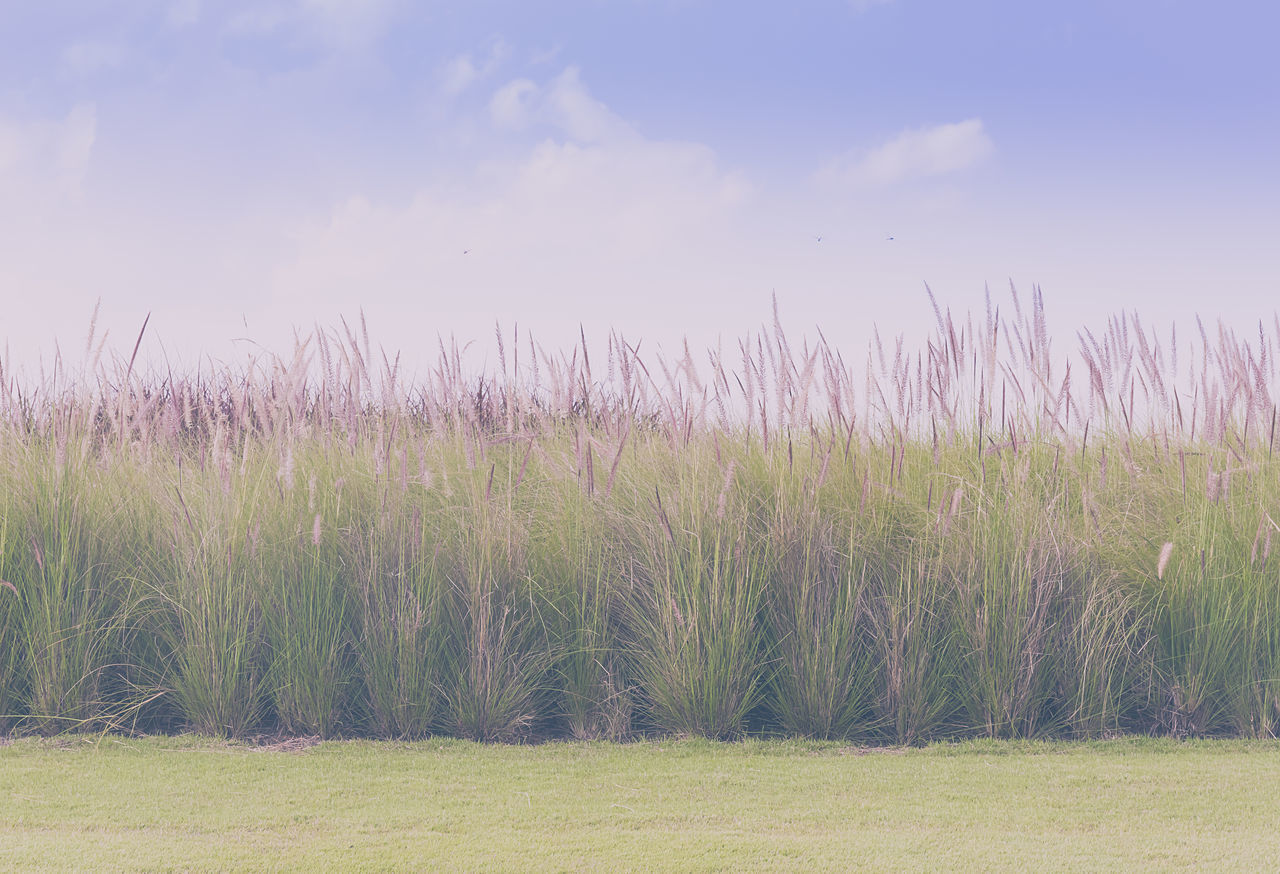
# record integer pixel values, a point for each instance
(661, 166)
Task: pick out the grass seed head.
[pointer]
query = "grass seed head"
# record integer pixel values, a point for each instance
(1165, 552)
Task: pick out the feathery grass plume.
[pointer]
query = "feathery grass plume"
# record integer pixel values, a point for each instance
(1165, 552)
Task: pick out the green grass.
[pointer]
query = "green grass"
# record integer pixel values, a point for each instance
(187, 803)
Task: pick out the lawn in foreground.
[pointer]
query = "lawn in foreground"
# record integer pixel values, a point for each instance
(187, 803)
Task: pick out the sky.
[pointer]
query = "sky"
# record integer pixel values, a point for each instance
(663, 168)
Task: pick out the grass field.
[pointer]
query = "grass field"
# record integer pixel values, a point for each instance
(187, 803)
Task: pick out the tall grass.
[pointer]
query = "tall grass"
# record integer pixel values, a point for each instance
(1009, 585)
(10, 640)
(696, 583)
(73, 600)
(303, 582)
(985, 536)
(1099, 647)
(403, 632)
(208, 609)
(500, 656)
(915, 641)
(572, 557)
(818, 606)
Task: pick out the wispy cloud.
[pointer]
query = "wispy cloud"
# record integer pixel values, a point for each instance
(338, 24)
(589, 198)
(87, 58)
(933, 151)
(457, 75)
(564, 104)
(582, 116)
(462, 71)
(51, 156)
(259, 19)
(348, 22)
(183, 13)
(512, 105)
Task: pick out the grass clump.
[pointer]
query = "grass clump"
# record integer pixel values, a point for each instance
(693, 617)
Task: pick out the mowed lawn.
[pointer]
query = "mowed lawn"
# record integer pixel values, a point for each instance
(186, 803)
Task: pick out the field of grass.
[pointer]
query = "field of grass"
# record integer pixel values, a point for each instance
(984, 537)
(186, 803)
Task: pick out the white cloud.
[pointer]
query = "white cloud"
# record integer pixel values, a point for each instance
(339, 24)
(348, 23)
(511, 106)
(48, 156)
(580, 115)
(933, 151)
(593, 214)
(457, 75)
(74, 143)
(565, 105)
(183, 13)
(259, 19)
(539, 57)
(44, 239)
(461, 72)
(87, 58)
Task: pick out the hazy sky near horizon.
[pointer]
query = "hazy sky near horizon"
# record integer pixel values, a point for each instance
(662, 167)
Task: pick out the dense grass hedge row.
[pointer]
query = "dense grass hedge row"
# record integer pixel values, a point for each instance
(302, 548)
